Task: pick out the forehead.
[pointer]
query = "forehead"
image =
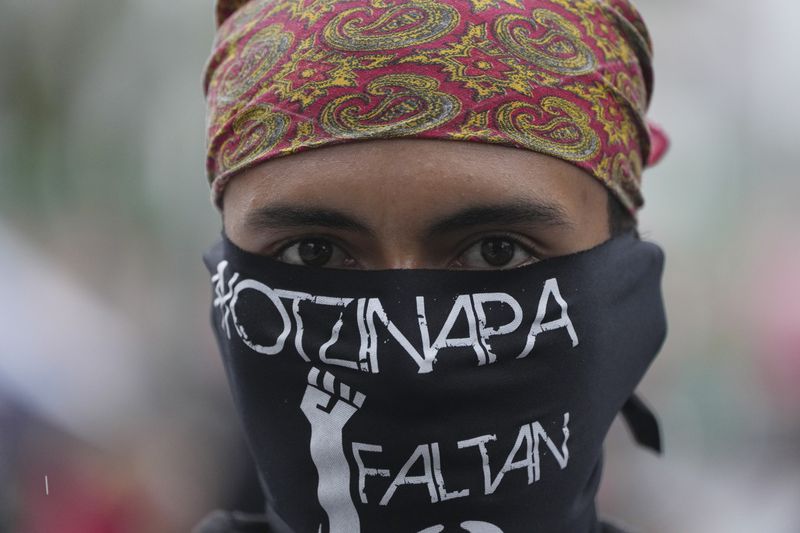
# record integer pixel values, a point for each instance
(410, 177)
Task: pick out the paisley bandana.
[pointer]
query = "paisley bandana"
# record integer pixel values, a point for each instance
(568, 78)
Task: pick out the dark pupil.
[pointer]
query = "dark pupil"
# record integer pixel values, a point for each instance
(315, 252)
(497, 252)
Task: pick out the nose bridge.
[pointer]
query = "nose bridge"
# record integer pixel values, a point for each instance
(399, 242)
(399, 207)
(399, 228)
(402, 253)
(409, 260)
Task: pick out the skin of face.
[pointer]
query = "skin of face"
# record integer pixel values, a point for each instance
(415, 203)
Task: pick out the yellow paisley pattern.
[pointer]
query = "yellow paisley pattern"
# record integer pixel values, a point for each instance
(307, 11)
(259, 54)
(630, 89)
(407, 104)
(257, 129)
(618, 39)
(477, 126)
(481, 5)
(559, 50)
(615, 118)
(482, 66)
(554, 126)
(604, 34)
(304, 136)
(312, 71)
(407, 24)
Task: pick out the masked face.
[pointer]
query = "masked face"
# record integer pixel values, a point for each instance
(430, 400)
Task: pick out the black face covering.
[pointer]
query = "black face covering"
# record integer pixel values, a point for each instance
(437, 400)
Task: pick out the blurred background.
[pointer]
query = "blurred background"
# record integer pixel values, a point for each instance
(110, 380)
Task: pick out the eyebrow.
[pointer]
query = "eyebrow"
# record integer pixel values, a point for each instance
(291, 216)
(532, 211)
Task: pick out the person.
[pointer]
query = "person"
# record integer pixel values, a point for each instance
(429, 293)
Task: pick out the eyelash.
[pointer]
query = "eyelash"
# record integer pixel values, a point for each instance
(529, 249)
(472, 240)
(283, 246)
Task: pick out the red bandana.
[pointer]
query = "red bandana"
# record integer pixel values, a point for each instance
(568, 78)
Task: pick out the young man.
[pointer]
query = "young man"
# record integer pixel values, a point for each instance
(429, 294)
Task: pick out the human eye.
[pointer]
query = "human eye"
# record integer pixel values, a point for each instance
(316, 252)
(496, 252)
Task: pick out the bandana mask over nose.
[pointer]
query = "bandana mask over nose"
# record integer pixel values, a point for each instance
(437, 400)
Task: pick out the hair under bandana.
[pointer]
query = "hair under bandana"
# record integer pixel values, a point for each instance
(568, 78)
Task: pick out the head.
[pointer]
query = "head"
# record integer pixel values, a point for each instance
(395, 136)
(492, 139)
